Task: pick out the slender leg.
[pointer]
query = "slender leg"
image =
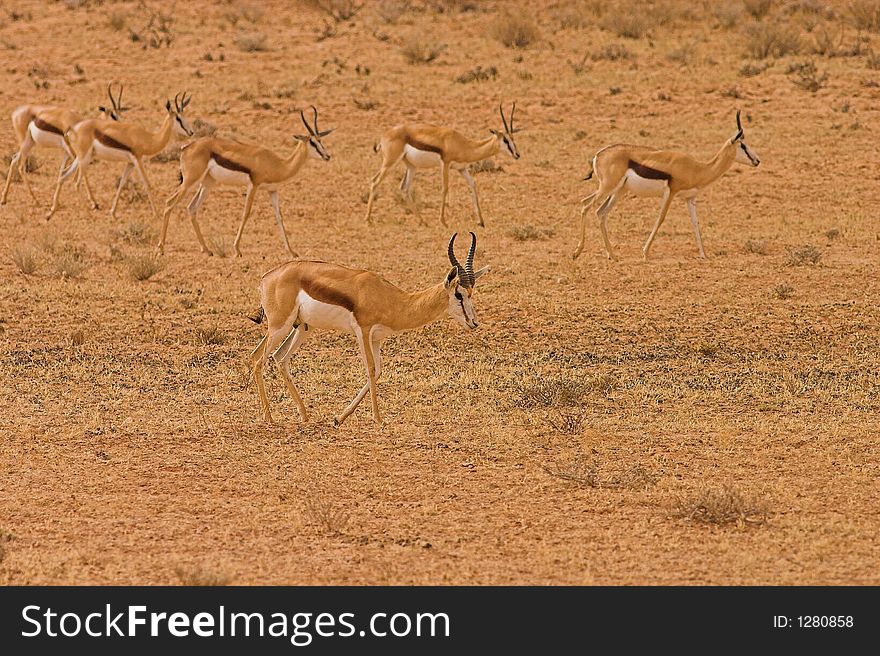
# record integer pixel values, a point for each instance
(122, 180)
(375, 181)
(444, 180)
(77, 164)
(170, 203)
(193, 210)
(81, 174)
(19, 161)
(603, 212)
(692, 209)
(143, 173)
(301, 334)
(13, 164)
(586, 204)
(377, 356)
(469, 179)
(664, 208)
(248, 204)
(273, 196)
(275, 335)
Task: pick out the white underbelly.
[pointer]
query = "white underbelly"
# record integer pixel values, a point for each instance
(223, 175)
(106, 153)
(45, 138)
(421, 159)
(639, 186)
(324, 316)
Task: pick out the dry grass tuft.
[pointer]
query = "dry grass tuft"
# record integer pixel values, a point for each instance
(807, 76)
(630, 25)
(528, 232)
(708, 349)
(590, 472)
(727, 14)
(805, 255)
(477, 74)
(70, 262)
(201, 576)
(330, 518)
(865, 14)
(339, 10)
(720, 506)
(560, 391)
(391, 11)
(252, 42)
(756, 246)
(486, 166)
(612, 52)
(144, 267)
(25, 258)
(210, 336)
(77, 338)
(420, 51)
(750, 69)
(137, 232)
(765, 40)
(515, 30)
(782, 291)
(757, 8)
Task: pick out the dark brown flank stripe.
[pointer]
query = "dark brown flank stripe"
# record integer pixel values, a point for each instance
(325, 294)
(421, 145)
(229, 164)
(46, 127)
(648, 172)
(110, 142)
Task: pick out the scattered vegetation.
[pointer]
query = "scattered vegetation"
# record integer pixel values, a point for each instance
(339, 10)
(806, 76)
(137, 232)
(751, 69)
(201, 576)
(612, 52)
(156, 32)
(210, 336)
(391, 11)
(219, 246)
(628, 24)
(589, 472)
(804, 255)
(767, 39)
(486, 166)
(756, 246)
(478, 74)
(25, 258)
(70, 261)
(728, 14)
(707, 349)
(144, 267)
(252, 42)
(720, 506)
(560, 391)
(515, 30)
(865, 14)
(421, 51)
(327, 516)
(528, 232)
(757, 8)
(782, 291)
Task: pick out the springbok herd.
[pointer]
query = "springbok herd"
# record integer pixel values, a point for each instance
(302, 296)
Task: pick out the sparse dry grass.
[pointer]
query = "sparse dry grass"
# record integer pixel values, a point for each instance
(767, 39)
(201, 576)
(807, 76)
(70, 261)
(419, 50)
(144, 267)
(515, 30)
(865, 14)
(252, 42)
(756, 246)
(210, 336)
(804, 255)
(25, 258)
(721, 506)
(529, 232)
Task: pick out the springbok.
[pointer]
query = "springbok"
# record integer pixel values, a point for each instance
(301, 297)
(122, 142)
(43, 125)
(211, 160)
(422, 146)
(622, 169)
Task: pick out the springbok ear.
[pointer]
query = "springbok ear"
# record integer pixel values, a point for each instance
(451, 278)
(497, 133)
(101, 108)
(300, 137)
(480, 272)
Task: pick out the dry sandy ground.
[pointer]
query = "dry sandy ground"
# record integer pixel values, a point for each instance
(671, 421)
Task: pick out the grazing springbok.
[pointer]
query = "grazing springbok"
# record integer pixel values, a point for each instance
(640, 171)
(211, 160)
(43, 125)
(301, 297)
(423, 146)
(122, 142)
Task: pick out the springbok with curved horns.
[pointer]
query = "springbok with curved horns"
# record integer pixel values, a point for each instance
(423, 146)
(641, 171)
(122, 142)
(211, 160)
(299, 298)
(42, 125)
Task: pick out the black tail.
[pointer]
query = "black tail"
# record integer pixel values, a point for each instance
(180, 177)
(258, 316)
(589, 174)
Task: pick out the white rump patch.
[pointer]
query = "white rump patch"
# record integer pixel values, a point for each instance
(639, 186)
(324, 316)
(44, 137)
(226, 176)
(421, 159)
(109, 154)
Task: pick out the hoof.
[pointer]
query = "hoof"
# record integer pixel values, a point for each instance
(336, 422)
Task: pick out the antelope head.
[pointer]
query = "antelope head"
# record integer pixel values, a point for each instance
(181, 125)
(115, 110)
(506, 136)
(744, 154)
(312, 140)
(460, 282)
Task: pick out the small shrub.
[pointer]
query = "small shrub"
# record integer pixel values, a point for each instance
(807, 76)
(832, 234)
(77, 338)
(727, 14)
(339, 10)
(756, 246)
(612, 52)
(682, 55)
(865, 14)
(201, 576)
(420, 51)
(117, 20)
(515, 30)
(720, 506)
(757, 8)
(137, 232)
(70, 262)
(782, 291)
(765, 40)
(805, 255)
(486, 166)
(144, 267)
(219, 246)
(750, 69)
(252, 42)
(331, 519)
(391, 11)
(478, 74)
(628, 24)
(211, 336)
(528, 232)
(25, 258)
(826, 42)
(707, 349)
(569, 422)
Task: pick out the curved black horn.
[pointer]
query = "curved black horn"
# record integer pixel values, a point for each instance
(469, 263)
(185, 101)
(302, 115)
(512, 112)
(504, 120)
(462, 274)
(110, 95)
(739, 125)
(315, 120)
(177, 102)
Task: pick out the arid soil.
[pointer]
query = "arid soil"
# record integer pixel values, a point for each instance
(675, 421)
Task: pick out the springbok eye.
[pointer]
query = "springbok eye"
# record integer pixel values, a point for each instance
(458, 296)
